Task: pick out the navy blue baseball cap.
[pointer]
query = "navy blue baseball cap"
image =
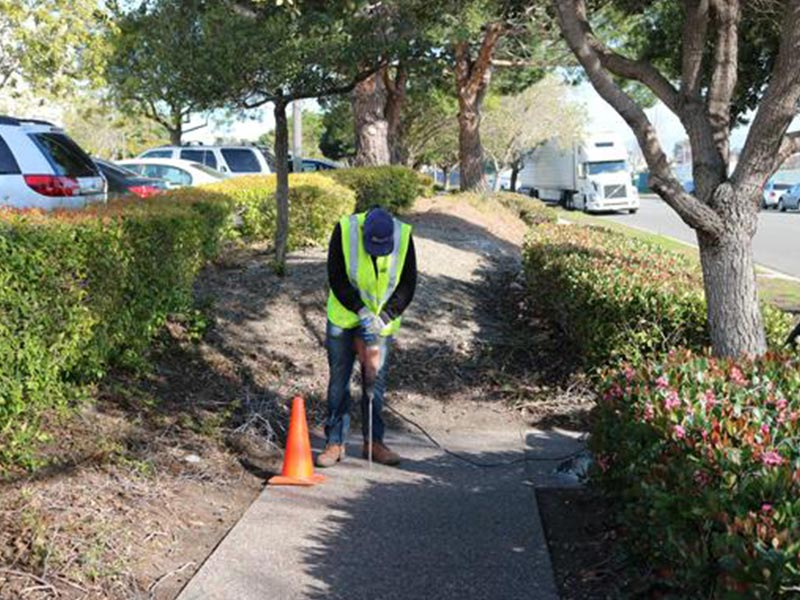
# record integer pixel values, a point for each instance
(378, 232)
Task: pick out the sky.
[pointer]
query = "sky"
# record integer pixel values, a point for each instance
(601, 118)
(670, 131)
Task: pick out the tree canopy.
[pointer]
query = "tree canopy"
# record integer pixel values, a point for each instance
(514, 125)
(167, 62)
(708, 61)
(51, 45)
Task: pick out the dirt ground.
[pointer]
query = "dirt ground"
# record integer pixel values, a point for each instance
(150, 478)
(581, 534)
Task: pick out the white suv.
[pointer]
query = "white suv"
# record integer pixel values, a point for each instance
(41, 167)
(235, 161)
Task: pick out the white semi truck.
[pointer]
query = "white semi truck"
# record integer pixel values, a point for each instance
(592, 175)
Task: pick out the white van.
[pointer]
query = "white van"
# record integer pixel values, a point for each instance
(41, 167)
(236, 161)
(592, 175)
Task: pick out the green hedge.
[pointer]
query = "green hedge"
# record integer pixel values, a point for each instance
(705, 456)
(620, 298)
(530, 210)
(393, 187)
(84, 290)
(316, 203)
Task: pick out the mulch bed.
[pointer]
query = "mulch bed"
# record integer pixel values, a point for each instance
(583, 542)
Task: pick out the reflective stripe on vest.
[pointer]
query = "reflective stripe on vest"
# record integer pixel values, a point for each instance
(393, 264)
(378, 278)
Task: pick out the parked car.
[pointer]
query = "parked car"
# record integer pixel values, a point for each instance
(773, 192)
(41, 167)
(233, 160)
(790, 200)
(312, 165)
(176, 172)
(123, 182)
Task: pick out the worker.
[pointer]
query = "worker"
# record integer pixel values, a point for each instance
(372, 272)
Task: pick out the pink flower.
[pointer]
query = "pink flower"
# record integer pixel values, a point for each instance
(672, 401)
(680, 432)
(766, 507)
(710, 399)
(649, 412)
(737, 377)
(781, 403)
(772, 459)
(662, 382)
(629, 373)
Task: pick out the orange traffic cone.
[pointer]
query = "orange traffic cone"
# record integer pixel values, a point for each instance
(298, 467)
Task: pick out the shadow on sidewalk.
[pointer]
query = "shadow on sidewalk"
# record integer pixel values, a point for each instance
(452, 530)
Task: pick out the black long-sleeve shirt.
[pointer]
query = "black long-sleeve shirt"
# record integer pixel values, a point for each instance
(348, 295)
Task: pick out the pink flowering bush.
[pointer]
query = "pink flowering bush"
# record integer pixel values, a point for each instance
(620, 298)
(705, 456)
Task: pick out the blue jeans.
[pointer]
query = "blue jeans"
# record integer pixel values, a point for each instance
(341, 358)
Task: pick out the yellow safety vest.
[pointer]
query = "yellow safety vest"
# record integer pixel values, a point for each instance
(374, 291)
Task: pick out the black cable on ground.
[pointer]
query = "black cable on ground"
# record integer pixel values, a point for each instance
(483, 465)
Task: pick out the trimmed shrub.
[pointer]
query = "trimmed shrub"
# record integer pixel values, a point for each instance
(616, 297)
(705, 456)
(87, 289)
(620, 298)
(530, 210)
(393, 187)
(427, 185)
(316, 203)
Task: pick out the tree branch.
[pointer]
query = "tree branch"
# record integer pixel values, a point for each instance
(695, 31)
(723, 79)
(281, 95)
(573, 23)
(765, 140)
(151, 111)
(195, 128)
(639, 70)
(494, 31)
(789, 147)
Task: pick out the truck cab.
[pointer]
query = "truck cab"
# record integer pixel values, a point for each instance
(603, 177)
(592, 174)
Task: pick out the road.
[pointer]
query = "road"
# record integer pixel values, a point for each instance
(776, 245)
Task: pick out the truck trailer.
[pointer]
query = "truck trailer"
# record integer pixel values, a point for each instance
(592, 175)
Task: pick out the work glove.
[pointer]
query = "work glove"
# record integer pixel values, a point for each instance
(380, 322)
(368, 333)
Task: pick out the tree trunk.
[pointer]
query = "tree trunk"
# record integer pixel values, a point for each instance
(729, 277)
(446, 173)
(470, 149)
(281, 150)
(395, 101)
(472, 82)
(515, 168)
(176, 129)
(371, 126)
(496, 186)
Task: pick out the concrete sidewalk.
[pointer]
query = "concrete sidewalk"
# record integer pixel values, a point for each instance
(434, 528)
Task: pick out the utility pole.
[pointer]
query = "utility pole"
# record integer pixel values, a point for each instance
(297, 137)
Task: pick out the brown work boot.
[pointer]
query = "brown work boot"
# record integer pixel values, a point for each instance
(381, 454)
(332, 454)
